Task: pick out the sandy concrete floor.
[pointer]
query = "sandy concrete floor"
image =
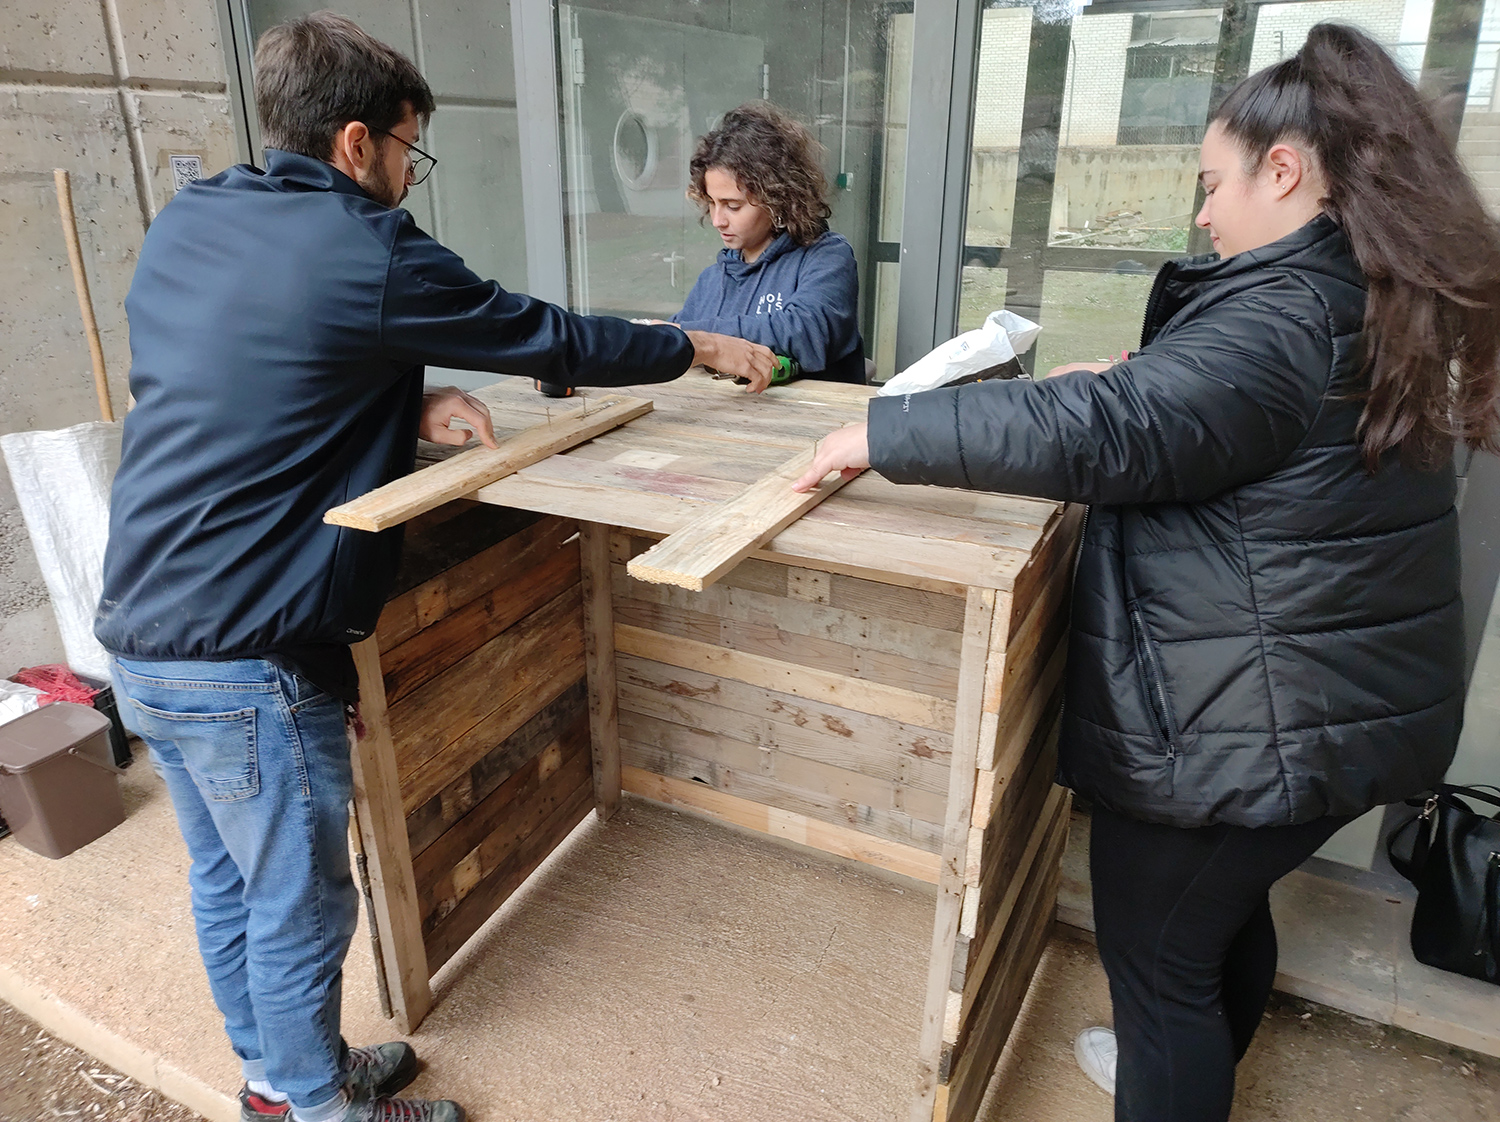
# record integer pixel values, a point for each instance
(660, 968)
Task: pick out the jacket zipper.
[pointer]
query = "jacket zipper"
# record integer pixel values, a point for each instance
(1155, 682)
(1157, 287)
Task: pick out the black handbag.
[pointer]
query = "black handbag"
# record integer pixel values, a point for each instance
(1451, 853)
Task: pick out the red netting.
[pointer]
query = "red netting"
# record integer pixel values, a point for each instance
(57, 683)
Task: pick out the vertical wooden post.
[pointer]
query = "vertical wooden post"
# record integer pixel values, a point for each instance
(599, 656)
(382, 827)
(979, 618)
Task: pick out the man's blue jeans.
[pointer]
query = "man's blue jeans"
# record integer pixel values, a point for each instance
(257, 764)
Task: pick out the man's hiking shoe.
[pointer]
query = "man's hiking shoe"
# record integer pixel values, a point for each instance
(253, 1108)
(381, 1069)
(386, 1109)
(375, 1070)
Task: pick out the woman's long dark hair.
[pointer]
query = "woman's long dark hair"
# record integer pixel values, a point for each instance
(777, 162)
(1429, 251)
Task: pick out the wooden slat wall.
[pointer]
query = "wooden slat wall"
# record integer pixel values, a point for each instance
(740, 687)
(484, 674)
(1018, 827)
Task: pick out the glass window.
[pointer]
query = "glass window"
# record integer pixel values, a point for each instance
(642, 80)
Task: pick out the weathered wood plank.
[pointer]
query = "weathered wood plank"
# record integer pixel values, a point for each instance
(459, 634)
(452, 589)
(906, 706)
(382, 828)
(718, 540)
(793, 646)
(427, 823)
(989, 1022)
(838, 840)
(843, 737)
(547, 644)
(861, 629)
(876, 757)
(449, 869)
(979, 618)
(853, 791)
(470, 470)
(599, 655)
(485, 897)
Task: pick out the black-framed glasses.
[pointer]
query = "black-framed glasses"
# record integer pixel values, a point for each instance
(421, 164)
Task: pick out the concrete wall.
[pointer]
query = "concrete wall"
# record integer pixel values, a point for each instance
(1155, 181)
(107, 90)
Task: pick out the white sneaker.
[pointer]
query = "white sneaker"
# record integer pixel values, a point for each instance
(1096, 1051)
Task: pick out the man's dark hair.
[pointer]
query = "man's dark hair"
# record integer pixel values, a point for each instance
(316, 74)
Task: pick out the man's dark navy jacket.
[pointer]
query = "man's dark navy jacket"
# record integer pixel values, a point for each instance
(279, 324)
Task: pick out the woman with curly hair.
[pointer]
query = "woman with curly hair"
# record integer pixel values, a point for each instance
(783, 279)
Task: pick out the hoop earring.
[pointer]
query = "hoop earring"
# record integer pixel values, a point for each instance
(777, 223)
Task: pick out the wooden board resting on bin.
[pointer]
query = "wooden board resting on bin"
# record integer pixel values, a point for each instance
(468, 471)
(720, 538)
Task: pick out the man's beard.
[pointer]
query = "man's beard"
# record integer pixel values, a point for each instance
(377, 184)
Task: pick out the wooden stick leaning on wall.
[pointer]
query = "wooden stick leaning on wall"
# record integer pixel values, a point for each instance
(81, 285)
(720, 538)
(468, 471)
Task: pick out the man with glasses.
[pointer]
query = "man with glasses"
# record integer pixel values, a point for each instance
(280, 321)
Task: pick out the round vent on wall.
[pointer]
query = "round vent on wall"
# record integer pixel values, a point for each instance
(635, 150)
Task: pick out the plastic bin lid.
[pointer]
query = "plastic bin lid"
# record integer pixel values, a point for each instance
(38, 736)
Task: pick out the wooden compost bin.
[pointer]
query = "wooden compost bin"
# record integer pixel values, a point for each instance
(880, 682)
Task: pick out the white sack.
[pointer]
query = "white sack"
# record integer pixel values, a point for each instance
(62, 481)
(1001, 337)
(17, 700)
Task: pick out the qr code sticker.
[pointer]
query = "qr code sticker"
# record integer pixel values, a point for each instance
(185, 169)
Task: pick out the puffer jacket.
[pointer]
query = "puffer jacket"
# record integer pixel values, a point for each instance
(1263, 632)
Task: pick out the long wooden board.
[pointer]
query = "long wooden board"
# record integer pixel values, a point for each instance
(468, 471)
(723, 536)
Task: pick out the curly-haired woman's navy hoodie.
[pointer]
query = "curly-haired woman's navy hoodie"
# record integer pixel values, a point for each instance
(801, 301)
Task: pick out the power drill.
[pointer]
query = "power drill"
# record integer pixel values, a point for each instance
(784, 370)
(552, 389)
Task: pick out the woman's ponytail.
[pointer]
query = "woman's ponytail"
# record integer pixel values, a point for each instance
(1429, 251)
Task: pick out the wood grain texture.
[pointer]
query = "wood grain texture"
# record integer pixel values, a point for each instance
(906, 706)
(979, 620)
(970, 1064)
(840, 841)
(599, 658)
(378, 817)
(474, 468)
(719, 539)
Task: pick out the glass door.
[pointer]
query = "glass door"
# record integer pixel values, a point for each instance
(640, 81)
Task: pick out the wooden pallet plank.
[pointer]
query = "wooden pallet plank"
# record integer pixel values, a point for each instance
(459, 634)
(382, 828)
(599, 658)
(547, 644)
(979, 616)
(432, 600)
(481, 901)
(474, 468)
(718, 540)
(473, 784)
(760, 818)
(906, 706)
(989, 1021)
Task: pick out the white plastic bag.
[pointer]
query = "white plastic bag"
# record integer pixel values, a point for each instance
(17, 700)
(62, 481)
(970, 356)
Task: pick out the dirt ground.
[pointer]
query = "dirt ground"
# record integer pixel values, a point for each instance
(43, 1079)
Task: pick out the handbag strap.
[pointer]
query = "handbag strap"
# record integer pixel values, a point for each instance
(1479, 791)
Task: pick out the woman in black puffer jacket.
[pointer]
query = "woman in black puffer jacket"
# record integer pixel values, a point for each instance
(1267, 633)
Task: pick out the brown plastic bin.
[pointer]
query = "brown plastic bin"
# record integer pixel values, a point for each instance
(59, 787)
